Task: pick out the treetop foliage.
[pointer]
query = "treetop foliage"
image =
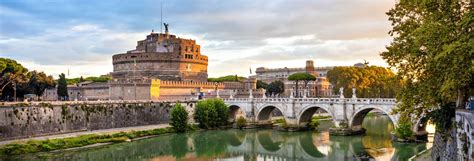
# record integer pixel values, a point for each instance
(370, 81)
(301, 77)
(275, 87)
(179, 118)
(211, 113)
(62, 87)
(432, 51)
(13, 74)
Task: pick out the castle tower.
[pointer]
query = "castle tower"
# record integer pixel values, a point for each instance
(310, 67)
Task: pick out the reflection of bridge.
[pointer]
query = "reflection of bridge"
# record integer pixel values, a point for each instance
(274, 145)
(298, 111)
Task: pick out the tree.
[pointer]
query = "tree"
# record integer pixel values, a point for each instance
(432, 51)
(38, 82)
(370, 81)
(81, 79)
(11, 73)
(222, 112)
(297, 77)
(179, 118)
(241, 122)
(211, 113)
(261, 84)
(62, 87)
(275, 87)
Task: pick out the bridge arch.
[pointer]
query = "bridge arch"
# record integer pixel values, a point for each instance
(235, 111)
(305, 115)
(355, 122)
(265, 111)
(420, 128)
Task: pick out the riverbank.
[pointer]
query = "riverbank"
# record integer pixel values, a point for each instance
(81, 139)
(76, 134)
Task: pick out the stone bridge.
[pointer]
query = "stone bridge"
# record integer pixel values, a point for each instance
(299, 111)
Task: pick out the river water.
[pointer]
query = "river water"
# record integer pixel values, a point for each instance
(251, 145)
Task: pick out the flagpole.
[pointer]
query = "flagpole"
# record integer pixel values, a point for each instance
(161, 15)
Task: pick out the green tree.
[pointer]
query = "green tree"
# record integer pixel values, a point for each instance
(211, 113)
(404, 128)
(179, 118)
(275, 87)
(261, 84)
(12, 73)
(370, 81)
(62, 87)
(222, 112)
(241, 122)
(297, 77)
(432, 51)
(39, 81)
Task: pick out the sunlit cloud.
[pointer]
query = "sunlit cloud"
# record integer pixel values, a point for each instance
(236, 35)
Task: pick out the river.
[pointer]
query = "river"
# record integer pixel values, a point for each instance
(252, 144)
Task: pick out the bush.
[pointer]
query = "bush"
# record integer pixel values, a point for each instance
(179, 118)
(241, 122)
(281, 122)
(404, 129)
(314, 123)
(211, 113)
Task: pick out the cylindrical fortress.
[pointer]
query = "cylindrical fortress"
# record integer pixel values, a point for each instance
(164, 57)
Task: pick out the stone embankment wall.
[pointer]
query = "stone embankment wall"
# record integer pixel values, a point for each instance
(26, 120)
(460, 143)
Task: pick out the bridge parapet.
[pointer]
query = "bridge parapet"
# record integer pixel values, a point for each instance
(389, 101)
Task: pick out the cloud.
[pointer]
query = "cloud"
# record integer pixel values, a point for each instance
(74, 45)
(235, 35)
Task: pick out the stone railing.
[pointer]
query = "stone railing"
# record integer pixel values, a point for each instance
(317, 100)
(56, 103)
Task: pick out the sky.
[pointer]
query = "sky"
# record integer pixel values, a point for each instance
(81, 36)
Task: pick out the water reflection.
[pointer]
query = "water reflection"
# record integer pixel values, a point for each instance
(248, 145)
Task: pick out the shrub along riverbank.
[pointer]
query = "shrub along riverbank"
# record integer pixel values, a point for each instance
(34, 146)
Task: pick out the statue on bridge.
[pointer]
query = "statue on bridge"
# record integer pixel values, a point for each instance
(354, 93)
(341, 92)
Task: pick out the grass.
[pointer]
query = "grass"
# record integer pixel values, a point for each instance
(34, 146)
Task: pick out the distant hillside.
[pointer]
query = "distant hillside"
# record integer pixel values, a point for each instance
(93, 79)
(229, 78)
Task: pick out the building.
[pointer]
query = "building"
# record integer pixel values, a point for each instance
(162, 56)
(84, 91)
(268, 75)
(319, 88)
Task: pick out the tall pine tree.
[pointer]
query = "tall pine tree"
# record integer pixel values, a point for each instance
(62, 87)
